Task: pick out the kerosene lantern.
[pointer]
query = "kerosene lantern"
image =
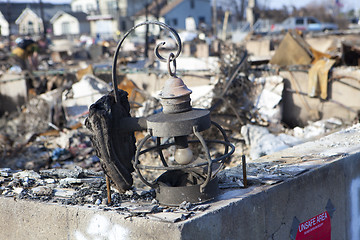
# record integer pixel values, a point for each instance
(185, 179)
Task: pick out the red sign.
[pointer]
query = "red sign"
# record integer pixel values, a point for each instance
(316, 228)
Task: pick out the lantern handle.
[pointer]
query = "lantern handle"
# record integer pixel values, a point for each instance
(156, 50)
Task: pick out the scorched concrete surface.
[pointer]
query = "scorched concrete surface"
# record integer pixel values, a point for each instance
(326, 178)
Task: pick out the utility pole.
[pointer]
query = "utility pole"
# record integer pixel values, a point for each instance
(242, 10)
(225, 24)
(250, 16)
(146, 31)
(118, 17)
(42, 18)
(214, 23)
(157, 10)
(8, 12)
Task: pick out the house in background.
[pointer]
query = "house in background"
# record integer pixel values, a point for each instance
(9, 17)
(86, 6)
(29, 23)
(50, 10)
(4, 26)
(128, 9)
(12, 10)
(103, 15)
(109, 17)
(70, 23)
(103, 25)
(175, 12)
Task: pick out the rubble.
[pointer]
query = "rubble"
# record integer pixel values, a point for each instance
(82, 94)
(269, 95)
(262, 142)
(89, 191)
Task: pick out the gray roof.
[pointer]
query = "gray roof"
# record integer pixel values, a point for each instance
(81, 16)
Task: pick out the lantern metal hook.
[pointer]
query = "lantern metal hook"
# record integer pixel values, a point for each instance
(171, 58)
(156, 50)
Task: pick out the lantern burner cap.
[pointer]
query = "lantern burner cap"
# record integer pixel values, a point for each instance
(174, 87)
(175, 96)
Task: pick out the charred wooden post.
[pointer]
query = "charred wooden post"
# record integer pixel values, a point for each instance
(115, 150)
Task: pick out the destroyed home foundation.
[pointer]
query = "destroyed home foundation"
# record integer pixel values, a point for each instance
(298, 195)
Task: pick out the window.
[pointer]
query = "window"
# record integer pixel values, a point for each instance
(175, 21)
(192, 4)
(354, 21)
(89, 7)
(78, 8)
(312, 21)
(201, 19)
(65, 27)
(111, 7)
(299, 21)
(30, 27)
(123, 25)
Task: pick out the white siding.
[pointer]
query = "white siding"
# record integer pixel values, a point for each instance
(4, 26)
(66, 19)
(83, 5)
(105, 28)
(30, 24)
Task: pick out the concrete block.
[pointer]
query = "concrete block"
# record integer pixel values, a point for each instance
(298, 108)
(257, 212)
(31, 220)
(189, 49)
(259, 47)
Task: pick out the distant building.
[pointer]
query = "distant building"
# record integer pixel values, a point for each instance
(102, 16)
(4, 26)
(175, 12)
(128, 10)
(87, 6)
(108, 18)
(70, 23)
(11, 12)
(29, 23)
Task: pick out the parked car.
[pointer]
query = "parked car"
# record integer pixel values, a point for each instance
(305, 24)
(354, 23)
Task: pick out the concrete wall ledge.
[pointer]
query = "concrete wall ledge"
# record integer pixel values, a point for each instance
(331, 183)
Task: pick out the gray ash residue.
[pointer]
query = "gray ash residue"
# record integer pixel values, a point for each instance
(84, 188)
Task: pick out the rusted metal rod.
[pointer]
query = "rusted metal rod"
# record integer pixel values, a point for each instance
(108, 190)
(243, 159)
